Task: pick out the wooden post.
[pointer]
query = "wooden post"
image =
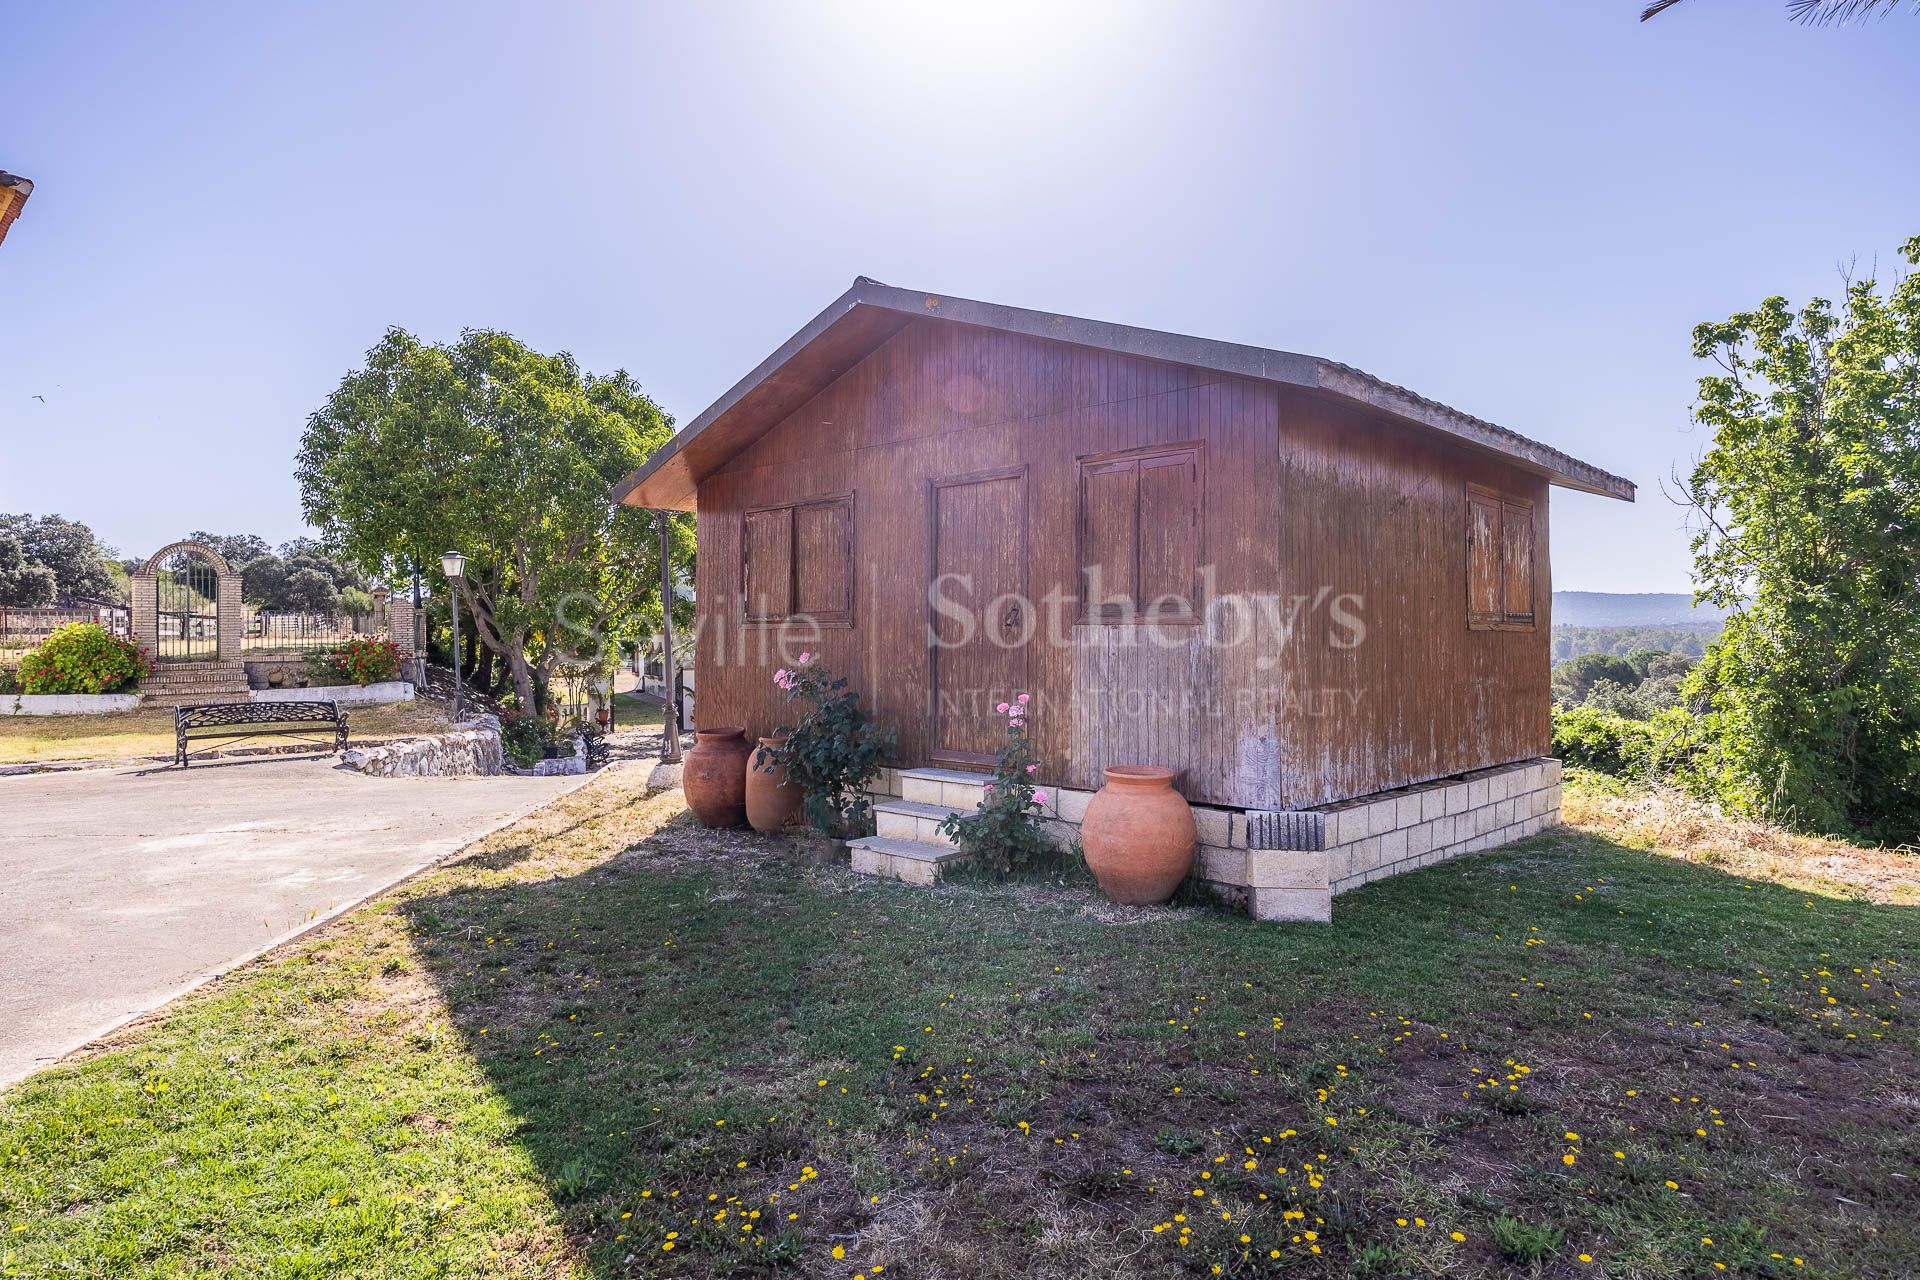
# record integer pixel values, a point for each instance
(670, 722)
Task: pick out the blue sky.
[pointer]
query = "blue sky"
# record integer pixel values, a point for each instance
(1520, 209)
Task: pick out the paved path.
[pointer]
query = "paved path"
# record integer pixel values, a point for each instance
(120, 887)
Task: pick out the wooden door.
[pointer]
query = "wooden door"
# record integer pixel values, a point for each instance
(979, 619)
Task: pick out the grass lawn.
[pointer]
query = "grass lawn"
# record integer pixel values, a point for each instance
(149, 732)
(634, 713)
(606, 1043)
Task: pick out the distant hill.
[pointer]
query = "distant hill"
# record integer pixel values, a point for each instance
(1643, 609)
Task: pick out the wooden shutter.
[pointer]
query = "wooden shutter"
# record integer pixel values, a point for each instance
(768, 553)
(823, 561)
(1109, 538)
(1169, 533)
(1517, 562)
(1485, 551)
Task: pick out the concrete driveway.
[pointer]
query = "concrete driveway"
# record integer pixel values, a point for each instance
(119, 888)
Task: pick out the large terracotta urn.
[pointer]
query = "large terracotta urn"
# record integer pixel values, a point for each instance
(715, 776)
(772, 800)
(1139, 835)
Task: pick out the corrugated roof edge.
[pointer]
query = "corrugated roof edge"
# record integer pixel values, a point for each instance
(1312, 372)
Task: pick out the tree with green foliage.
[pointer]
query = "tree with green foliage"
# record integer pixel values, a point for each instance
(24, 583)
(1807, 510)
(80, 564)
(509, 455)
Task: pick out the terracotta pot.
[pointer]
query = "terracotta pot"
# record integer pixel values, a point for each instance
(772, 801)
(715, 777)
(1139, 835)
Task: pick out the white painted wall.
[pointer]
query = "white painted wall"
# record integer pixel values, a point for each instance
(66, 704)
(347, 695)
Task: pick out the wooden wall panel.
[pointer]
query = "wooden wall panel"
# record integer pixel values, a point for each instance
(1314, 518)
(1376, 526)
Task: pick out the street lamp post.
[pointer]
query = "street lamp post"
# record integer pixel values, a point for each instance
(454, 565)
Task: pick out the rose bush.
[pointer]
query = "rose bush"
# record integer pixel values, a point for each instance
(83, 657)
(833, 753)
(1004, 833)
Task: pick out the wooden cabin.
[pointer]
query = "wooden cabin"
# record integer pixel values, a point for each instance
(1307, 590)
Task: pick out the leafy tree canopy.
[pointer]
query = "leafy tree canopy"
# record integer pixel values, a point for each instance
(1808, 525)
(509, 455)
(23, 583)
(80, 564)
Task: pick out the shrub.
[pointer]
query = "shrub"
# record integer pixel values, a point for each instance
(525, 738)
(1667, 747)
(361, 660)
(1004, 833)
(83, 657)
(833, 753)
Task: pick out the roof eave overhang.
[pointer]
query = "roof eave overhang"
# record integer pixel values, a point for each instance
(671, 478)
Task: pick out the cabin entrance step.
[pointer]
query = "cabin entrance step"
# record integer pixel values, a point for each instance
(907, 860)
(953, 788)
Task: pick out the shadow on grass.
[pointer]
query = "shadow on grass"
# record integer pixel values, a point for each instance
(772, 1061)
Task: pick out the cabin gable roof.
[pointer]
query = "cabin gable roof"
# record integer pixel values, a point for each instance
(870, 312)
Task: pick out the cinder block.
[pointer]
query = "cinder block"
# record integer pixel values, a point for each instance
(1291, 904)
(1222, 865)
(1499, 786)
(1407, 810)
(899, 826)
(1339, 864)
(1420, 838)
(1444, 830)
(1237, 830)
(1071, 805)
(1433, 802)
(1477, 797)
(1382, 816)
(1213, 826)
(1286, 869)
(1345, 825)
(915, 871)
(1456, 798)
(1552, 767)
(1393, 845)
(869, 861)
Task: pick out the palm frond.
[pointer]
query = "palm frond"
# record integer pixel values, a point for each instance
(1822, 12)
(1813, 12)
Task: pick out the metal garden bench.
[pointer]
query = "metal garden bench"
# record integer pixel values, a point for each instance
(227, 723)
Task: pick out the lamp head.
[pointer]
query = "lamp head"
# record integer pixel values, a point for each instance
(453, 564)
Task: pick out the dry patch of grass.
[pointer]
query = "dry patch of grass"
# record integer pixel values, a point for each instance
(1675, 824)
(132, 735)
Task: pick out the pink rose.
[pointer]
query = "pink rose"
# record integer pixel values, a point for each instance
(1002, 708)
(1039, 797)
(1033, 768)
(805, 658)
(1022, 699)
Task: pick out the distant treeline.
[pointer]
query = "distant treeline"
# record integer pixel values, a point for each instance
(1571, 642)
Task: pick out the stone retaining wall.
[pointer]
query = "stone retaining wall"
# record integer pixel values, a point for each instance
(471, 749)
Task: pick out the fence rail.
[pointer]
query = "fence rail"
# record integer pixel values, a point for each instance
(23, 629)
(292, 633)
